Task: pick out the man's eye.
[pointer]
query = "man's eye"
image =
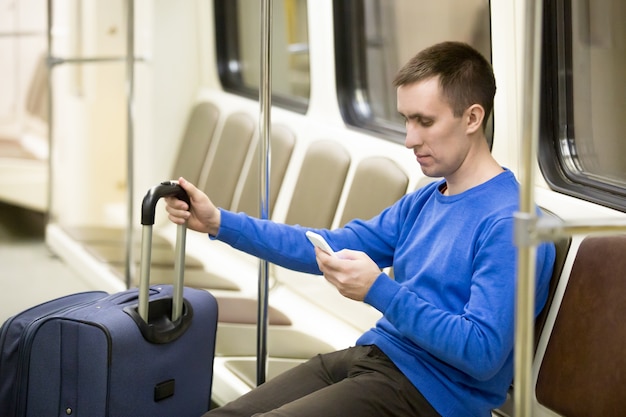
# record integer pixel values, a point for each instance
(426, 123)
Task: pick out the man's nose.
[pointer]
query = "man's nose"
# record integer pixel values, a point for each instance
(413, 138)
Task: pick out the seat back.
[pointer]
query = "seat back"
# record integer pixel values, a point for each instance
(583, 372)
(378, 183)
(196, 141)
(562, 246)
(37, 96)
(221, 178)
(319, 185)
(282, 143)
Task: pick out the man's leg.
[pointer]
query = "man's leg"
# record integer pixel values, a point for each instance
(359, 381)
(315, 374)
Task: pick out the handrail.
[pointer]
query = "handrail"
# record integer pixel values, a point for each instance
(21, 34)
(526, 259)
(265, 102)
(130, 139)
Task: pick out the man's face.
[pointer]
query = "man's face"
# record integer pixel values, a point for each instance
(437, 138)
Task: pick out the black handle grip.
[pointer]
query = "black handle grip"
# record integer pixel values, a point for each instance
(152, 197)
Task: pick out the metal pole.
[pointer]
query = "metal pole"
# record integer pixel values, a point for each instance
(50, 66)
(526, 219)
(130, 84)
(265, 101)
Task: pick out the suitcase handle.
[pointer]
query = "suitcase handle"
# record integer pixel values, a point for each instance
(150, 200)
(148, 208)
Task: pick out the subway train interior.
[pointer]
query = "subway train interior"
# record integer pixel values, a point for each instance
(101, 100)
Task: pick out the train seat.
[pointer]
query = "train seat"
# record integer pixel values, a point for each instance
(319, 186)
(562, 247)
(189, 163)
(106, 243)
(24, 147)
(223, 170)
(583, 370)
(323, 161)
(377, 183)
(242, 269)
(314, 202)
(282, 143)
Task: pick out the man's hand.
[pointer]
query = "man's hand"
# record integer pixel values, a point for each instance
(203, 216)
(351, 272)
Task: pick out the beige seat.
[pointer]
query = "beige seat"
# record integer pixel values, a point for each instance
(378, 183)
(282, 143)
(35, 115)
(232, 147)
(196, 142)
(319, 185)
(189, 163)
(324, 160)
(107, 244)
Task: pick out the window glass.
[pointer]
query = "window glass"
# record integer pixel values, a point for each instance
(385, 34)
(240, 48)
(590, 100)
(598, 91)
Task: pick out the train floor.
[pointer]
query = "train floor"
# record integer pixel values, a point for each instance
(29, 272)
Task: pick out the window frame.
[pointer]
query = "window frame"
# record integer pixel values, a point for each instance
(556, 104)
(351, 75)
(350, 67)
(229, 61)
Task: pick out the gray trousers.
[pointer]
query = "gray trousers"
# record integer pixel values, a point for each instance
(357, 382)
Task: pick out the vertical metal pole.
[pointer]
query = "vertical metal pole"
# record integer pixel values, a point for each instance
(265, 101)
(49, 65)
(524, 322)
(130, 85)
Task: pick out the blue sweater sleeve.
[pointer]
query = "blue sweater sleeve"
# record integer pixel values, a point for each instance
(281, 244)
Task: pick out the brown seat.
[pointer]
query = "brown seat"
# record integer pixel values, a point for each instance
(583, 372)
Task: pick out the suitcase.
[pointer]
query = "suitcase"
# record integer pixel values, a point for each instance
(146, 351)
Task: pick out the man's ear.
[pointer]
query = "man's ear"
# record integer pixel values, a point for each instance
(474, 116)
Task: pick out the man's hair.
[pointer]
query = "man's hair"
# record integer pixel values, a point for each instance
(465, 76)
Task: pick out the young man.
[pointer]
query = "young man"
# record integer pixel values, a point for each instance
(444, 345)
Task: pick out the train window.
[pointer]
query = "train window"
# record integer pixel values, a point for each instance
(238, 27)
(374, 38)
(582, 144)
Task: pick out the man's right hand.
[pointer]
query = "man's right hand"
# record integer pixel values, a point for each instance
(203, 216)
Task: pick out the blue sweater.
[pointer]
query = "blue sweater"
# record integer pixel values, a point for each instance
(448, 316)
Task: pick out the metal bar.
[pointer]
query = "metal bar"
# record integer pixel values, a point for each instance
(525, 300)
(21, 34)
(130, 86)
(265, 101)
(179, 272)
(90, 60)
(49, 23)
(549, 228)
(144, 271)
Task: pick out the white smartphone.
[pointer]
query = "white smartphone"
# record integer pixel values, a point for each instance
(320, 242)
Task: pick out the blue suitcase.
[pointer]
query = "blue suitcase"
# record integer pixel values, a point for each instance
(146, 351)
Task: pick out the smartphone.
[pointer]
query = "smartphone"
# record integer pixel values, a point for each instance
(320, 242)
